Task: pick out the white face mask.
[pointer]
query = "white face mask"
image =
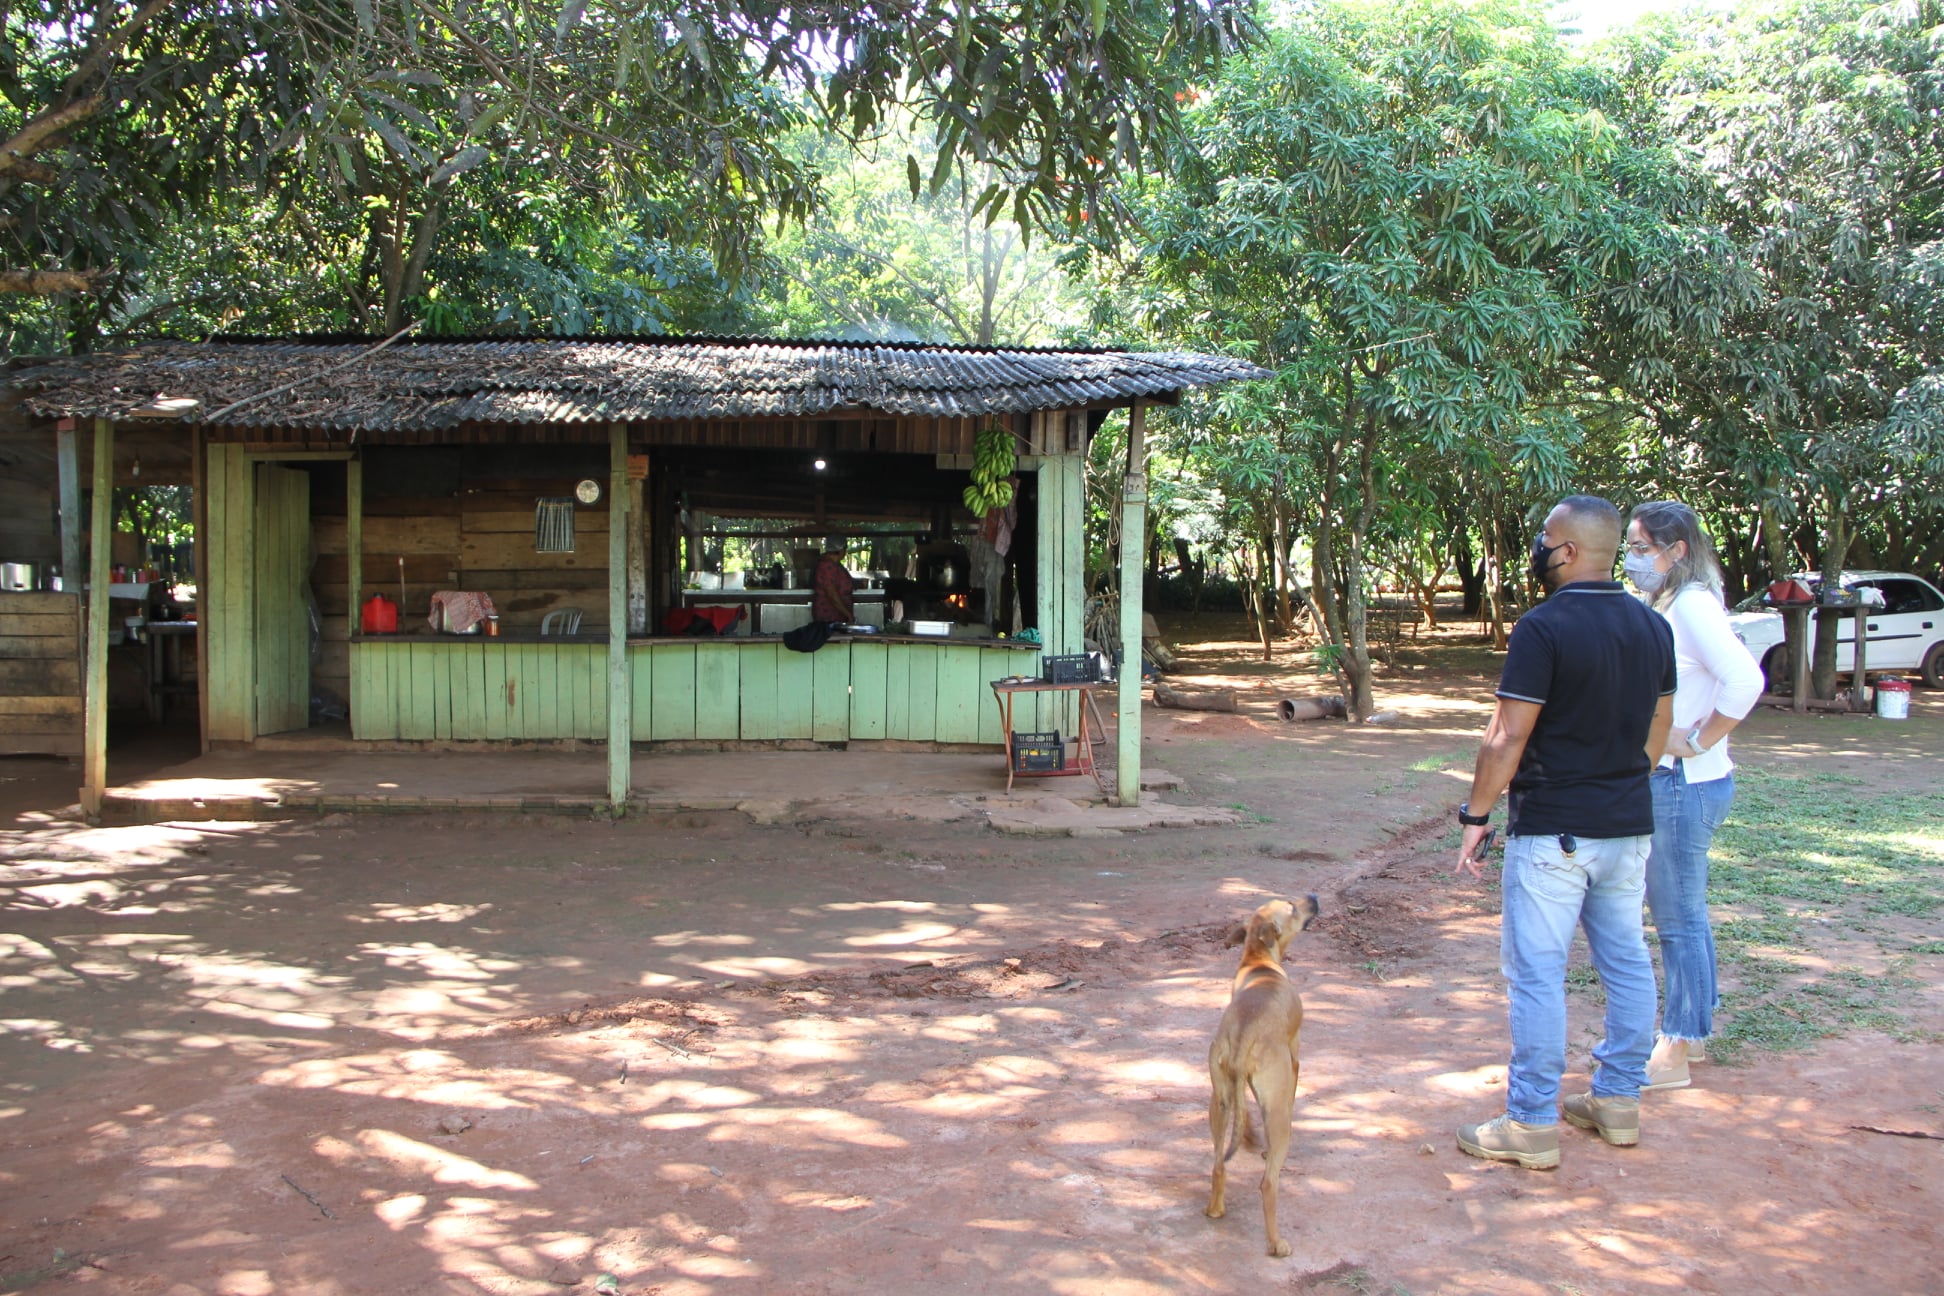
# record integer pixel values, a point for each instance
(1641, 571)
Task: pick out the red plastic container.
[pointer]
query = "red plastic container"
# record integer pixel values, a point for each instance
(379, 616)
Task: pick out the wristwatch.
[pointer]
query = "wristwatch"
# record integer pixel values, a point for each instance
(1470, 820)
(1694, 740)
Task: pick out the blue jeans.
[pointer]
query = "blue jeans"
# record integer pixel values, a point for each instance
(1685, 818)
(1547, 894)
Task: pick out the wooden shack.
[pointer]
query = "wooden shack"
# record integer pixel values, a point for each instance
(600, 480)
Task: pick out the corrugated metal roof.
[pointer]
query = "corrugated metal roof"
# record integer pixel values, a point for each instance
(426, 385)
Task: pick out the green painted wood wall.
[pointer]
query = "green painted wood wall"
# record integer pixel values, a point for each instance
(474, 689)
(228, 606)
(1062, 577)
(746, 690)
(281, 551)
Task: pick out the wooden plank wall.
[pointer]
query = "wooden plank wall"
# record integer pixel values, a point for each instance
(747, 690)
(442, 689)
(40, 674)
(281, 550)
(843, 692)
(227, 605)
(460, 518)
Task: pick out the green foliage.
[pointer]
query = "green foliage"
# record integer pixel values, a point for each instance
(1796, 343)
(875, 261)
(1402, 210)
(398, 128)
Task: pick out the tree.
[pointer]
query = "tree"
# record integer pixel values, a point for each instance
(418, 117)
(1403, 210)
(875, 261)
(1817, 125)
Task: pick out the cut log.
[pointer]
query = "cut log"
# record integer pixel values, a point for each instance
(1328, 707)
(1210, 700)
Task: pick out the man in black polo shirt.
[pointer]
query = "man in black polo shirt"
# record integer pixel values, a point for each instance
(1587, 692)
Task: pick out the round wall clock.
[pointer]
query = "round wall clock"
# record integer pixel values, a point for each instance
(588, 492)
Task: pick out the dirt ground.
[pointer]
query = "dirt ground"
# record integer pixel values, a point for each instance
(691, 1053)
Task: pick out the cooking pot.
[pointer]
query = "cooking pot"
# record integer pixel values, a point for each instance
(22, 578)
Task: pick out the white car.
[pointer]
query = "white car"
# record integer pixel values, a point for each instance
(1906, 633)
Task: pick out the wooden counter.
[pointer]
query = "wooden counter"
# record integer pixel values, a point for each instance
(857, 687)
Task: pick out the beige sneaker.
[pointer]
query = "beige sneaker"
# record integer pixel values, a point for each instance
(1667, 1077)
(1536, 1147)
(1617, 1120)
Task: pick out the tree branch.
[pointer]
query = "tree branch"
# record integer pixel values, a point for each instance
(35, 134)
(45, 283)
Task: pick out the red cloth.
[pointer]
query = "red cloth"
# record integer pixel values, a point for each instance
(714, 620)
(832, 585)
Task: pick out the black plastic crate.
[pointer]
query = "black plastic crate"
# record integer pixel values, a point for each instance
(1073, 668)
(1038, 753)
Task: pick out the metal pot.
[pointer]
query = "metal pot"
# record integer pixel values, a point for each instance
(22, 578)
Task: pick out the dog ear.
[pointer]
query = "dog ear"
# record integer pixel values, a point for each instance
(1236, 935)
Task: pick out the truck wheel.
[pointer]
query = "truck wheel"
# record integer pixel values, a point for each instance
(1934, 666)
(1775, 668)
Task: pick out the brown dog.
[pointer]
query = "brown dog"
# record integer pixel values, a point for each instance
(1256, 1046)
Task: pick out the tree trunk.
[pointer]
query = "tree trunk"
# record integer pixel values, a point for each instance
(1822, 667)
(1492, 580)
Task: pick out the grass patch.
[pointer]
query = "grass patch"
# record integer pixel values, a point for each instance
(1835, 850)
(1828, 840)
(1441, 762)
(1845, 1000)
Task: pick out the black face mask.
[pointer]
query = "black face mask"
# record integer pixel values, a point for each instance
(1542, 559)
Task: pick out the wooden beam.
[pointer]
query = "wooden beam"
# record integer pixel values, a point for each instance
(620, 725)
(68, 461)
(94, 755)
(1133, 558)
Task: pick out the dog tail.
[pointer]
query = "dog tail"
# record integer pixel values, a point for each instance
(1234, 1094)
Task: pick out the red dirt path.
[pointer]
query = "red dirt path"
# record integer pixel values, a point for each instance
(499, 1055)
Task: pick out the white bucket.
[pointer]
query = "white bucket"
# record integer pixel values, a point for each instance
(1893, 699)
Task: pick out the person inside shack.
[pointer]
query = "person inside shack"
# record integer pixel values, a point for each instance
(832, 599)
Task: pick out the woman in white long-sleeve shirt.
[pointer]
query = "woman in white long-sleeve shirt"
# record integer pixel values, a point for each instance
(1670, 561)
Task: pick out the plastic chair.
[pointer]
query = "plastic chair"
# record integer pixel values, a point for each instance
(561, 621)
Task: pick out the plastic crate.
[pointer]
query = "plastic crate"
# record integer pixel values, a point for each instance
(1038, 753)
(1072, 668)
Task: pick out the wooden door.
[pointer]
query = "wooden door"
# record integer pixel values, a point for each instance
(282, 565)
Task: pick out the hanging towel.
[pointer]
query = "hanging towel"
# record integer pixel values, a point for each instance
(458, 611)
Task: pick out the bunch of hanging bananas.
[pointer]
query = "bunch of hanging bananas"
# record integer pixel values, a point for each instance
(993, 462)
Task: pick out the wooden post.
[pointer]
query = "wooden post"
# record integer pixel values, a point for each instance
(69, 464)
(620, 739)
(1133, 557)
(354, 538)
(94, 750)
(199, 502)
